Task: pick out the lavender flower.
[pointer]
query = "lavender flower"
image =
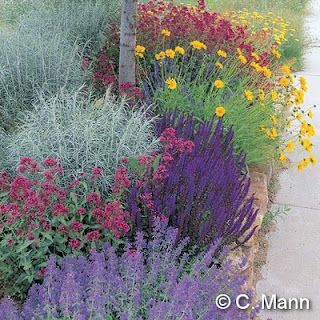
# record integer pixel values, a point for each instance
(151, 280)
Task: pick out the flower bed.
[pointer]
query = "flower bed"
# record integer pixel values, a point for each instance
(131, 207)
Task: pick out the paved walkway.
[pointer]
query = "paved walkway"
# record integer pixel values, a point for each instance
(293, 264)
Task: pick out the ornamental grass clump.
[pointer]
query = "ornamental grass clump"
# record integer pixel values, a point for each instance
(82, 134)
(43, 51)
(39, 217)
(30, 64)
(152, 280)
(197, 183)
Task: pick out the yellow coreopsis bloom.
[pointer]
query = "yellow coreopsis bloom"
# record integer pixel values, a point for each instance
(171, 83)
(276, 53)
(290, 146)
(299, 96)
(284, 82)
(286, 69)
(303, 84)
(283, 158)
(243, 59)
(272, 134)
(161, 55)
(219, 84)
(222, 53)
(139, 51)
(301, 166)
(266, 72)
(198, 45)
(311, 131)
(307, 129)
(180, 50)
(170, 53)
(220, 111)
(219, 65)
(274, 95)
(249, 95)
(166, 32)
(313, 160)
(255, 56)
(261, 95)
(274, 120)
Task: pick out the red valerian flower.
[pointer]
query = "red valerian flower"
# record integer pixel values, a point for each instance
(113, 218)
(160, 174)
(62, 228)
(59, 209)
(10, 242)
(42, 272)
(121, 180)
(50, 162)
(76, 226)
(74, 244)
(94, 197)
(81, 211)
(28, 165)
(93, 235)
(96, 173)
(74, 183)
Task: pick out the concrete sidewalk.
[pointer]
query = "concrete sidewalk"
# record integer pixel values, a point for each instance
(293, 264)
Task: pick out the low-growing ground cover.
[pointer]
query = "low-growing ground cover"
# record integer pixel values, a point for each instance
(148, 281)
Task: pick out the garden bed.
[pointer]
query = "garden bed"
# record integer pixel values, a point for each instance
(130, 200)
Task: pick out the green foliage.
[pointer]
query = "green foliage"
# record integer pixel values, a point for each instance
(200, 98)
(273, 215)
(81, 135)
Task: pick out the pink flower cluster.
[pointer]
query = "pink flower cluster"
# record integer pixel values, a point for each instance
(121, 180)
(113, 218)
(172, 147)
(36, 204)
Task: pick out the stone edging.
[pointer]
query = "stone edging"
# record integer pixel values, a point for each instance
(260, 179)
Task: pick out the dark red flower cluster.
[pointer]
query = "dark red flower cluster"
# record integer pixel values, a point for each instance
(105, 71)
(35, 203)
(130, 90)
(121, 180)
(113, 218)
(186, 24)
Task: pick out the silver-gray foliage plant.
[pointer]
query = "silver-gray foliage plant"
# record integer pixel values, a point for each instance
(44, 49)
(81, 135)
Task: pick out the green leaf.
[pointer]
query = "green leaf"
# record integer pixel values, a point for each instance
(135, 166)
(4, 194)
(74, 198)
(156, 162)
(24, 246)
